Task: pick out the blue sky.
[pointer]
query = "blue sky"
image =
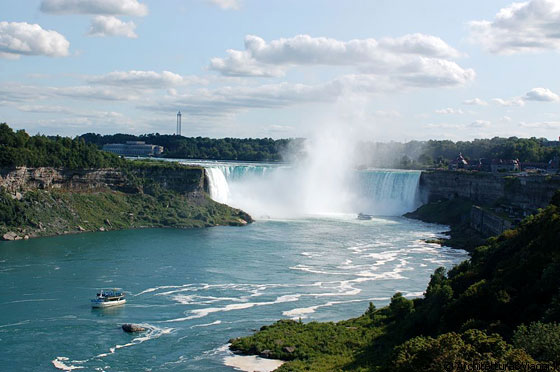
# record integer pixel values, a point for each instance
(388, 70)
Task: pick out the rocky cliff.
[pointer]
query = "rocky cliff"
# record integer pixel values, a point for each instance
(527, 193)
(183, 180)
(49, 201)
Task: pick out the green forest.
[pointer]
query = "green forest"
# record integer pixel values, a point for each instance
(525, 149)
(244, 149)
(421, 154)
(392, 154)
(20, 149)
(500, 308)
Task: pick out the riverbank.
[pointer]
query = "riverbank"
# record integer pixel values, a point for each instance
(493, 308)
(48, 213)
(456, 214)
(36, 202)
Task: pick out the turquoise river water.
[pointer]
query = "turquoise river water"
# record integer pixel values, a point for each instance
(195, 289)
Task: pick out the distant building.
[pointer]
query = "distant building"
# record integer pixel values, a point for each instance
(487, 165)
(133, 148)
(458, 163)
(554, 165)
(499, 165)
(178, 132)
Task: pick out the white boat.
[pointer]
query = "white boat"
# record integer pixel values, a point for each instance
(108, 297)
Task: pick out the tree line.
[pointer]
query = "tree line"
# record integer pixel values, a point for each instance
(244, 149)
(20, 149)
(525, 149)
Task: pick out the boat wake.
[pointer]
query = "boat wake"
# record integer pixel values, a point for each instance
(152, 332)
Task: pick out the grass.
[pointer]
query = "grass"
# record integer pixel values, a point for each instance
(46, 213)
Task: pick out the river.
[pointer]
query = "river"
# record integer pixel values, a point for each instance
(195, 289)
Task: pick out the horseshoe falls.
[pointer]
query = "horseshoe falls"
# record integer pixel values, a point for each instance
(284, 191)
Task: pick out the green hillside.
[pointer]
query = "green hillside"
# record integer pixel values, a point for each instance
(500, 307)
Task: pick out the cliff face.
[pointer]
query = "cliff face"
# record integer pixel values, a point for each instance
(48, 201)
(524, 192)
(183, 181)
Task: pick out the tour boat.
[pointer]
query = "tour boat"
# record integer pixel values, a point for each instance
(108, 297)
(362, 216)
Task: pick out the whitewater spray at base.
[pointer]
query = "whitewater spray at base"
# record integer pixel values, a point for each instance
(273, 191)
(323, 178)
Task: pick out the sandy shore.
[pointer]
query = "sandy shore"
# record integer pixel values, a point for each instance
(251, 363)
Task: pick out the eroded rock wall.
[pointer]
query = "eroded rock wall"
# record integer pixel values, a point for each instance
(525, 192)
(21, 179)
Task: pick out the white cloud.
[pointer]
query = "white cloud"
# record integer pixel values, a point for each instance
(449, 111)
(44, 109)
(420, 44)
(480, 124)
(231, 99)
(530, 26)
(475, 102)
(388, 114)
(96, 93)
(226, 4)
(21, 38)
(144, 79)
(536, 94)
(443, 126)
(111, 26)
(413, 60)
(242, 64)
(541, 125)
(511, 102)
(99, 7)
(541, 94)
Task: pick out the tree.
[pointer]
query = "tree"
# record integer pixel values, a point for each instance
(540, 340)
(400, 306)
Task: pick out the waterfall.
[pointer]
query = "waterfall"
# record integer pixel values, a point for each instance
(388, 192)
(217, 185)
(283, 191)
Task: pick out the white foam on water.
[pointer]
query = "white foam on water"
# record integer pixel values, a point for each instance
(207, 324)
(60, 363)
(203, 300)
(302, 312)
(313, 271)
(151, 333)
(344, 289)
(15, 324)
(154, 289)
(311, 254)
(414, 294)
(201, 313)
(31, 300)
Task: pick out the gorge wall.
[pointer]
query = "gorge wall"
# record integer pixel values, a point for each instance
(53, 201)
(527, 193)
(182, 180)
(497, 201)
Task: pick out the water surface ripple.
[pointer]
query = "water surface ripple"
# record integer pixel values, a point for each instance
(195, 289)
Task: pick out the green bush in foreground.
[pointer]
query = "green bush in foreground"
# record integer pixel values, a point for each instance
(476, 313)
(541, 340)
(456, 352)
